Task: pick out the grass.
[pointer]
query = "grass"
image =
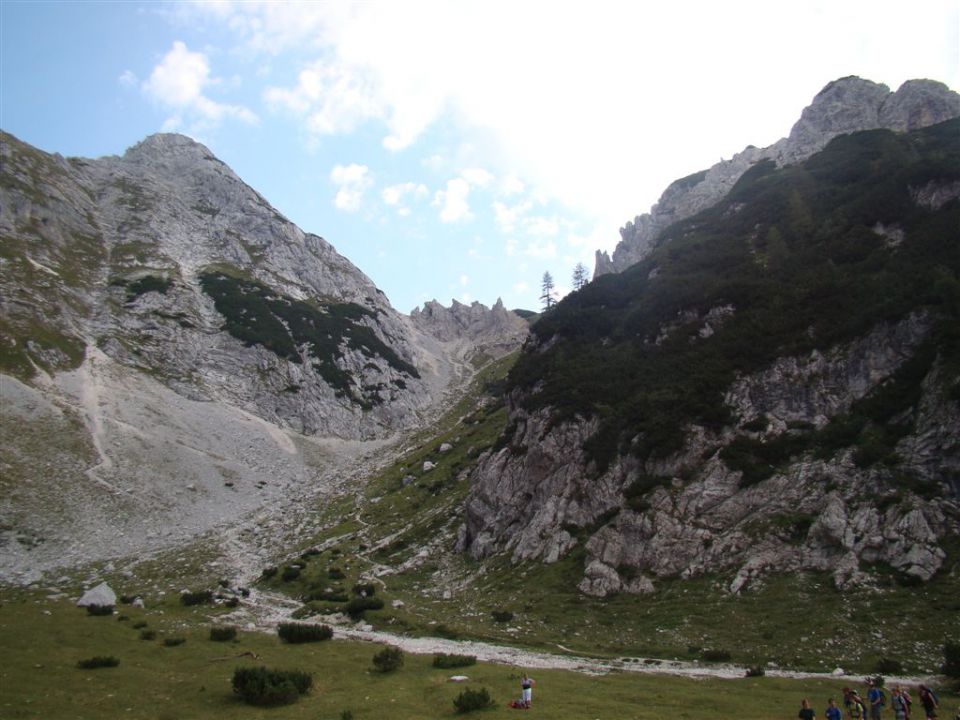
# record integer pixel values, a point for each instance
(39, 678)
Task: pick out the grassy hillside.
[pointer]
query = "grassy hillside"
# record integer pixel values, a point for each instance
(791, 260)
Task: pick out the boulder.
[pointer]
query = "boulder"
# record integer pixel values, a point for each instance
(102, 594)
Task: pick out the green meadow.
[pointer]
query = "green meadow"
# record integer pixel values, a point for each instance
(44, 640)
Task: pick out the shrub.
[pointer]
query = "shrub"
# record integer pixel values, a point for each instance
(148, 634)
(98, 661)
(127, 599)
(346, 715)
(139, 624)
(388, 659)
(173, 641)
(200, 597)
(303, 633)
(951, 660)
(446, 632)
(364, 589)
(716, 655)
(888, 666)
(502, 616)
(269, 572)
(328, 595)
(99, 610)
(223, 634)
(232, 602)
(442, 660)
(359, 605)
(470, 700)
(263, 687)
(755, 671)
(290, 573)
(336, 574)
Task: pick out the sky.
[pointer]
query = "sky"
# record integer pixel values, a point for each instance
(454, 149)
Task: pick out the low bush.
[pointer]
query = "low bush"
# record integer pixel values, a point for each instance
(716, 655)
(148, 634)
(303, 632)
(502, 616)
(346, 715)
(99, 610)
(755, 671)
(232, 602)
(388, 659)
(442, 660)
(98, 661)
(359, 605)
(127, 599)
(200, 597)
(445, 631)
(268, 572)
(888, 666)
(364, 589)
(327, 595)
(290, 573)
(225, 633)
(139, 624)
(266, 688)
(470, 700)
(336, 574)
(951, 660)
(173, 641)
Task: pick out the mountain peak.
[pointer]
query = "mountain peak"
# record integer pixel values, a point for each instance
(163, 145)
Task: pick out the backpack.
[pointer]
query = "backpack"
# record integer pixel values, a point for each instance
(883, 698)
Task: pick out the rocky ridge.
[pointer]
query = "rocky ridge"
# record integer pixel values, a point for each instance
(844, 106)
(799, 452)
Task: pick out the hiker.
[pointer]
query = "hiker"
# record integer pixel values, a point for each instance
(806, 712)
(526, 689)
(875, 699)
(930, 702)
(906, 699)
(832, 712)
(901, 710)
(856, 708)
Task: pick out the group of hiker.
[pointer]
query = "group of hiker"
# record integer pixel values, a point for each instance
(872, 707)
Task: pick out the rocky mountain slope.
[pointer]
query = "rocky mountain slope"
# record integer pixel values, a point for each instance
(175, 353)
(846, 105)
(774, 387)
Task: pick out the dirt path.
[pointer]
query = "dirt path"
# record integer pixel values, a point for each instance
(263, 611)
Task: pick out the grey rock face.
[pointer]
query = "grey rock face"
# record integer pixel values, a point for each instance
(137, 420)
(844, 106)
(494, 331)
(538, 497)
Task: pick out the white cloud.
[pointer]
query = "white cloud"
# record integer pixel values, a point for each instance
(453, 201)
(511, 185)
(331, 98)
(464, 280)
(507, 216)
(128, 79)
(542, 226)
(351, 181)
(477, 177)
(520, 287)
(178, 82)
(397, 196)
(541, 249)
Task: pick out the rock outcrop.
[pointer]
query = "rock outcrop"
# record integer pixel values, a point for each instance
(494, 331)
(537, 497)
(844, 106)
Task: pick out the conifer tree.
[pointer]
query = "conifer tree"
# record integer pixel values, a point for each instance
(547, 292)
(579, 276)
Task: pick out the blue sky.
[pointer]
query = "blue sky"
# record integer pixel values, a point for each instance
(453, 149)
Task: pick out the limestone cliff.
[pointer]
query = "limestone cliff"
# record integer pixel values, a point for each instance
(775, 386)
